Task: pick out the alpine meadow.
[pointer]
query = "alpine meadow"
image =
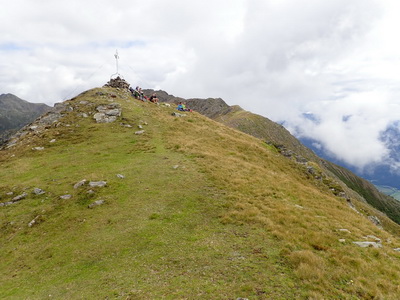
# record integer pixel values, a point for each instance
(152, 203)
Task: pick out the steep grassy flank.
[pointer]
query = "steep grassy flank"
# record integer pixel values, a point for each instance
(384, 203)
(271, 132)
(267, 130)
(204, 211)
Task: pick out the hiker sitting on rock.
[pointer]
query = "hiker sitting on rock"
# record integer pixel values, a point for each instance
(137, 93)
(182, 107)
(153, 98)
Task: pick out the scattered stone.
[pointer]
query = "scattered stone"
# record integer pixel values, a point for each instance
(53, 141)
(351, 205)
(38, 148)
(344, 230)
(38, 191)
(6, 203)
(103, 118)
(97, 183)
(342, 195)
(19, 197)
(311, 170)
(66, 197)
(298, 206)
(84, 102)
(368, 244)
(175, 114)
(342, 240)
(112, 109)
(80, 183)
(375, 220)
(85, 115)
(107, 113)
(242, 298)
(10, 193)
(33, 222)
(175, 167)
(301, 160)
(126, 125)
(397, 249)
(140, 126)
(96, 203)
(378, 240)
(120, 176)
(90, 192)
(139, 132)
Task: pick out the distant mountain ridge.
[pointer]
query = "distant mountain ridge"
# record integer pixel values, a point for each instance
(16, 113)
(271, 132)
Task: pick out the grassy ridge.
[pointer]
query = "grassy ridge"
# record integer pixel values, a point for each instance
(204, 211)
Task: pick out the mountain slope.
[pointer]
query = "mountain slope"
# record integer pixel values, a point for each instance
(200, 211)
(16, 113)
(271, 132)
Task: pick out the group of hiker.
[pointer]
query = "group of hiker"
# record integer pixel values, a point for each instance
(138, 94)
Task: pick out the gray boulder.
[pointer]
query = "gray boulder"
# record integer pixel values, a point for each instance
(97, 183)
(96, 203)
(368, 244)
(38, 191)
(19, 197)
(80, 183)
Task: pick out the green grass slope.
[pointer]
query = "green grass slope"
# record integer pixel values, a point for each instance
(203, 212)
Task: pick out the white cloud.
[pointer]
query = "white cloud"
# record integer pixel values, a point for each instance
(279, 58)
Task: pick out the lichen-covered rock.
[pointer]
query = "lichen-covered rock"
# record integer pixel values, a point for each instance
(107, 113)
(175, 114)
(19, 197)
(80, 183)
(96, 203)
(38, 191)
(368, 244)
(97, 183)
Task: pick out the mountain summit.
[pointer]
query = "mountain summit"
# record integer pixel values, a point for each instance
(107, 196)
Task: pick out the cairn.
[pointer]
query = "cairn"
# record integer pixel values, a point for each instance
(117, 83)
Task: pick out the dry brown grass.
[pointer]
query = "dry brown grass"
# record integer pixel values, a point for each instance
(272, 193)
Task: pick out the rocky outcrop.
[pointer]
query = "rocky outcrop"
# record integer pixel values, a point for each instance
(117, 83)
(107, 113)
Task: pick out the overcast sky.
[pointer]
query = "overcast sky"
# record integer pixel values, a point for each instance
(329, 68)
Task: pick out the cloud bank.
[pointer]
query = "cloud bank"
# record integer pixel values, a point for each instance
(334, 59)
